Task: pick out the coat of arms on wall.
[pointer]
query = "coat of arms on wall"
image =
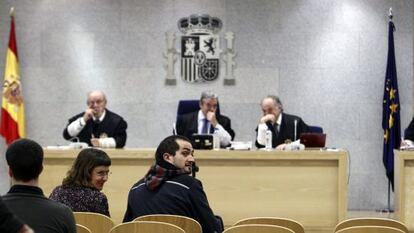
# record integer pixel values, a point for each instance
(200, 51)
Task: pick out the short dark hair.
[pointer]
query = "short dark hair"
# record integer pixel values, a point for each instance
(25, 159)
(168, 145)
(80, 173)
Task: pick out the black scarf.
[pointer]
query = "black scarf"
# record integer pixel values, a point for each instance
(161, 172)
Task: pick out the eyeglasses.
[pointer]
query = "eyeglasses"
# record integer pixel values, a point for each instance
(103, 173)
(97, 102)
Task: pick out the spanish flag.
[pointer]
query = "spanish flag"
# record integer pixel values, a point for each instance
(12, 109)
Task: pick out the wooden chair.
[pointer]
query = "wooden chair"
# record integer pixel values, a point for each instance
(353, 222)
(82, 229)
(97, 223)
(189, 225)
(283, 222)
(255, 228)
(146, 227)
(370, 229)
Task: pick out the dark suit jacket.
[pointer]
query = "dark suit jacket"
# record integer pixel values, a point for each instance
(409, 131)
(287, 130)
(187, 124)
(112, 125)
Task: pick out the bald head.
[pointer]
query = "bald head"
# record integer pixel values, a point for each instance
(97, 102)
(272, 105)
(96, 93)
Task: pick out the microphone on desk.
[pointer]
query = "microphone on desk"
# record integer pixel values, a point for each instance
(174, 129)
(77, 144)
(296, 129)
(194, 169)
(74, 139)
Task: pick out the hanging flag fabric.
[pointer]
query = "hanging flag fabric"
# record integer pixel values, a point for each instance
(391, 109)
(12, 111)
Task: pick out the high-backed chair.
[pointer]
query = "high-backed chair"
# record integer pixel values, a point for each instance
(370, 229)
(146, 227)
(315, 129)
(187, 106)
(257, 228)
(97, 223)
(283, 222)
(371, 222)
(189, 225)
(82, 229)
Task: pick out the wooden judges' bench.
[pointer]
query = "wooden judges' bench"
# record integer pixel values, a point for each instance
(308, 186)
(404, 187)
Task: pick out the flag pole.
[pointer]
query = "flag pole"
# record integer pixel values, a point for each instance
(390, 13)
(389, 181)
(386, 126)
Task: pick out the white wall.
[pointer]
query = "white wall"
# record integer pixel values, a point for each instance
(325, 59)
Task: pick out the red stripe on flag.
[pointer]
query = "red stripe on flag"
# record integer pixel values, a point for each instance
(9, 128)
(12, 39)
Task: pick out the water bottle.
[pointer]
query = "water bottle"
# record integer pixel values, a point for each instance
(268, 144)
(216, 140)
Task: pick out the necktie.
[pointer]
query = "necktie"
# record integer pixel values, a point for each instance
(205, 130)
(95, 128)
(276, 126)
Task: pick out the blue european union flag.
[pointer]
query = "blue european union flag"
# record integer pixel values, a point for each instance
(391, 109)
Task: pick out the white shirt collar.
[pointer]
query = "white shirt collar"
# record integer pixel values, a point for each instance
(200, 115)
(279, 120)
(102, 116)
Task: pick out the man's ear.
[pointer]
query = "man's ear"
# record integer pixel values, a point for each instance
(41, 169)
(10, 172)
(167, 157)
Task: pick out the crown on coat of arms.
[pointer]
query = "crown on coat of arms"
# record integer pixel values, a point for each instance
(199, 24)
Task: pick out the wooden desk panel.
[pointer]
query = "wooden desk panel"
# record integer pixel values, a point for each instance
(404, 187)
(308, 186)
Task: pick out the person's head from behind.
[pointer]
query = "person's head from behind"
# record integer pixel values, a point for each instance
(271, 105)
(90, 169)
(97, 102)
(208, 102)
(25, 160)
(176, 150)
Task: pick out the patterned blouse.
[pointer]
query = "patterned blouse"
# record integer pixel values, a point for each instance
(81, 199)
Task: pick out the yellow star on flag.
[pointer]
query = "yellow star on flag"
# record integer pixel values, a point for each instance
(386, 136)
(393, 108)
(392, 93)
(390, 122)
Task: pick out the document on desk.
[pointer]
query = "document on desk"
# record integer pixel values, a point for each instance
(237, 145)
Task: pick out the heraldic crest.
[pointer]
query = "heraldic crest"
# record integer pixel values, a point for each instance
(200, 50)
(12, 90)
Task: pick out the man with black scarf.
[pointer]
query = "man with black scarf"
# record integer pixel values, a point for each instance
(167, 188)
